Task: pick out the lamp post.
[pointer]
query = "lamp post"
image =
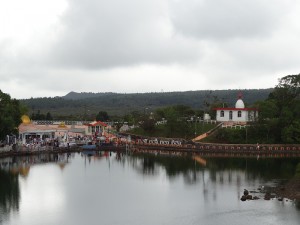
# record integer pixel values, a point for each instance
(196, 118)
(145, 111)
(246, 134)
(195, 125)
(85, 113)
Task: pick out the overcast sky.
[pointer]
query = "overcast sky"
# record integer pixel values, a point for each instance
(51, 47)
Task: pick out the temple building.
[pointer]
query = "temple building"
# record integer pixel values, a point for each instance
(29, 131)
(96, 128)
(238, 114)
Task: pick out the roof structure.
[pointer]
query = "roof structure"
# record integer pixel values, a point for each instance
(239, 105)
(97, 123)
(237, 109)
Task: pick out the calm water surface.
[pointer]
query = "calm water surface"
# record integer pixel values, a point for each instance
(114, 189)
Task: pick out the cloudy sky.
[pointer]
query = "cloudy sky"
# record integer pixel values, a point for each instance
(51, 47)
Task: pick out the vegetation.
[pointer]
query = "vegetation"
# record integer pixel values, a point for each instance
(102, 116)
(279, 117)
(174, 114)
(271, 168)
(86, 106)
(9, 192)
(162, 131)
(283, 120)
(174, 121)
(39, 116)
(10, 115)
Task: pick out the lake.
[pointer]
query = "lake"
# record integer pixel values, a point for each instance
(114, 189)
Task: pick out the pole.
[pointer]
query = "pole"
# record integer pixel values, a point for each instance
(195, 125)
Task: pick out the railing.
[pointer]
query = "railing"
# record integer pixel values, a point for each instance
(66, 122)
(58, 122)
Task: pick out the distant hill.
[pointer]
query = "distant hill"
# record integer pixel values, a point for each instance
(76, 96)
(82, 104)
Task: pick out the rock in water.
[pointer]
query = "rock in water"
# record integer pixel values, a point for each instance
(249, 197)
(243, 198)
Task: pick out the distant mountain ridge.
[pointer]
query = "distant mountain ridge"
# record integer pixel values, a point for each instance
(77, 104)
(82, 95)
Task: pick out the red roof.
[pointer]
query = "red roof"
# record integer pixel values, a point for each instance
(237, 109)
(97, 123)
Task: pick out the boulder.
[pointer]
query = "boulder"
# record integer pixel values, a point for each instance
(243, 198)
(249, 197)
(267, 196)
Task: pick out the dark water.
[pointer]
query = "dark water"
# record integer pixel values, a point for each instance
(142, 189)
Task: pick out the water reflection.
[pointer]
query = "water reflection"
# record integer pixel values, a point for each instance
(213, 170)
(150, 184)
(173, 165)
(187, 166)
(14, 167)
(9, 193)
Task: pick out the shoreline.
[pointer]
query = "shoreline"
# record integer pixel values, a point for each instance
(289, 190)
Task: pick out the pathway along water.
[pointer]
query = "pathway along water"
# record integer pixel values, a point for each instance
(154, 145)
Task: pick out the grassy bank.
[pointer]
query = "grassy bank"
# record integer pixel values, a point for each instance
(185, 130)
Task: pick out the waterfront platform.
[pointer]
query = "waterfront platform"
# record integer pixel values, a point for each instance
(209, 149)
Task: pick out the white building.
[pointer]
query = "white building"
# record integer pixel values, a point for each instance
(239, 114)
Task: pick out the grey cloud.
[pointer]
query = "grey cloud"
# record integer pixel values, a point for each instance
(195, 44)
(102, 34)
(219, 19)
(5, 53)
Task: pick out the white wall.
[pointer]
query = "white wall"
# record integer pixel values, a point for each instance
(235, 118)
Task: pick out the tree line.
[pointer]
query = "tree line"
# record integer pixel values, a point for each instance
(87, 105)
(10, 115)
(278, 121)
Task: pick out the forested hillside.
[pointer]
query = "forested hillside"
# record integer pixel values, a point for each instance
(81, 105)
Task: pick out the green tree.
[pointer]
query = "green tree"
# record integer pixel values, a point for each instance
(176, 116)
(102, 116)
(10, 115)
(173, 123)
(148, 125)
(133, 118)
(287, 97)
(281, 111)
(48, 116)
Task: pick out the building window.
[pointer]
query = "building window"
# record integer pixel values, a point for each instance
(239, 113)
(230, 115)
(222, 114)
